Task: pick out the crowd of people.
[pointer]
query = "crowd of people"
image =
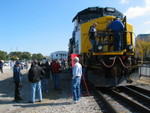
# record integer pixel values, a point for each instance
(39, 75)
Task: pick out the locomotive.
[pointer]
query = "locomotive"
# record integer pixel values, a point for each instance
(104, 67)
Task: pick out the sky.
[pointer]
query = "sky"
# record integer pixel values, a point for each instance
(45, 26)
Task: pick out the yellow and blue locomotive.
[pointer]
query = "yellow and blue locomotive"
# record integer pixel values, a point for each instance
(105, 67)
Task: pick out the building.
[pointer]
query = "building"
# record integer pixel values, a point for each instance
(145, 37)
(145, 46)
(59, 55)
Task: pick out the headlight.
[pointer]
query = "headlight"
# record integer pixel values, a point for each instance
(100, 48)
(130, 47)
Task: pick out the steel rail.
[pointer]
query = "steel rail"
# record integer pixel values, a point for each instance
(139, 89)
(104, 100)
(107, 103)
(133, 104)
(138, 94)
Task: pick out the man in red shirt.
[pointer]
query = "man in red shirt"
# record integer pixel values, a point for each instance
(55, 69)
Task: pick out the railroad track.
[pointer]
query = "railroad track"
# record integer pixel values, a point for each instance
(105, 106)
(126, 99)
(140, 90)
(138, 94)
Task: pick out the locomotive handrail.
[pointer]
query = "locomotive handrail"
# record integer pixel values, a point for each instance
(130, 35)
(105, 33)
(99, 32)
(108, 32)
(130, 32)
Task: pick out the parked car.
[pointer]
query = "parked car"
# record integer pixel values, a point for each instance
(6, 63)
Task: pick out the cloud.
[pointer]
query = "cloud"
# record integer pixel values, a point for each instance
(124, 1)
(147, 2)
(137, 11)
(147, 32)
(147, 22)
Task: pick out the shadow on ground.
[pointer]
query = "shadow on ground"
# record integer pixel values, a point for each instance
(7, 88)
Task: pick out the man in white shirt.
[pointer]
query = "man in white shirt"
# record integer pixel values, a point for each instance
(76, 79)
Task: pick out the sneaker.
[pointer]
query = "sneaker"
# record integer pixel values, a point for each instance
(40, 101)
(73, 102)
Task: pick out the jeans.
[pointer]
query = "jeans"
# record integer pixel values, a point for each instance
(17, 90)
(94, 43)
(76, 88)
(56, 80)
(84, 71)
(45, 84)
(117, 41)
(34, 87)
(1, 69)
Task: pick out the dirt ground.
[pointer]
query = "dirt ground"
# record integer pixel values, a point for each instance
(53, 101)
(7, 105)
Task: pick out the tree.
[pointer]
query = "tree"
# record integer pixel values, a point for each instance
(13, 57)
(21, 55)
(142, 48)
(15, 54)
(3, 55)
(26, 56)
(38, 56)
